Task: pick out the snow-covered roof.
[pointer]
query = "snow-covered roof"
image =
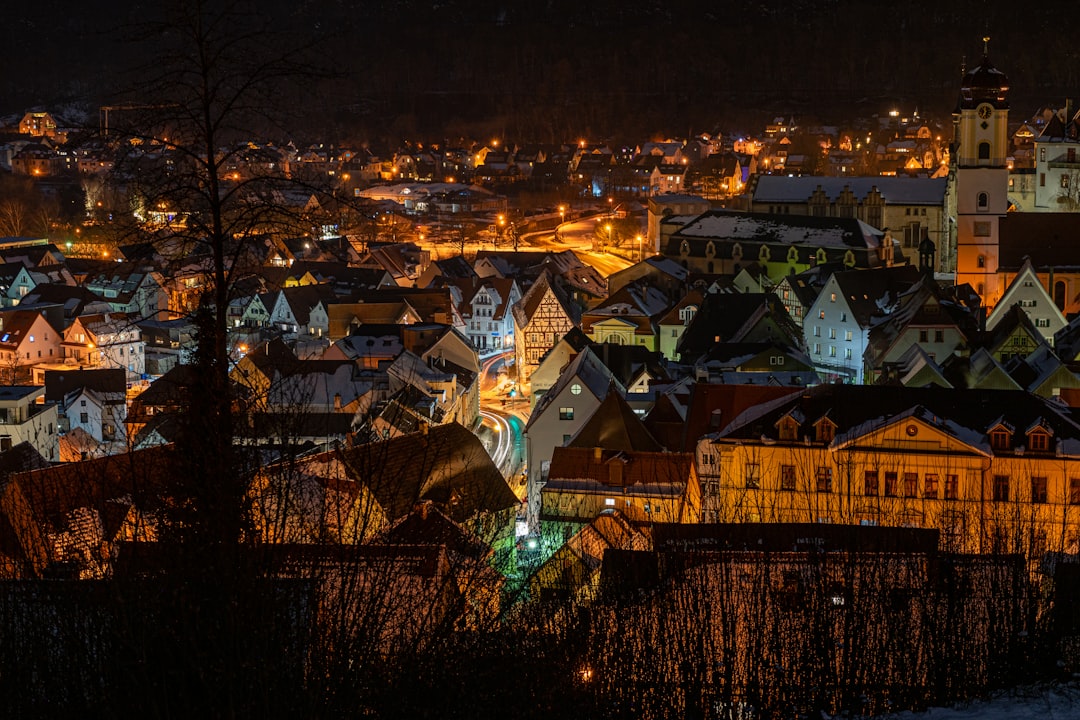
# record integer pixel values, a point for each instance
(895, 190)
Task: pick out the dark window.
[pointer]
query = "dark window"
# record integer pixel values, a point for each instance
(911, 485)
(870, 482)
(1038, 441)
(930, 487)
(1038, 489)
(566, 413)
(984, 151)
(787, 477)
(753, 475)
(1000, 490)
(890, 484)
(84, 418)
(1074, 491)
(951, 487)
(824, 479)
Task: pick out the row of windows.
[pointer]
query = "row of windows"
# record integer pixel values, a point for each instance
(832, 333)
(832, 351)
(906, 484)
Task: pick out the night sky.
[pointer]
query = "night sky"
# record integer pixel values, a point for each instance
(542, 70)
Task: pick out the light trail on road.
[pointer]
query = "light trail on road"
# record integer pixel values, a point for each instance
(502, 454)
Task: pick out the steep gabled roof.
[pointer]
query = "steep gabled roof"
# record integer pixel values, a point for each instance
(870, 292)
(525, 309)
(446, 464)
(615, 426)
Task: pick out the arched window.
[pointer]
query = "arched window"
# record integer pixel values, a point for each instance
(984, 151)
(983, 201)
(981, 261)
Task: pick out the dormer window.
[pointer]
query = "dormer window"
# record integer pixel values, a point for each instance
(1038, 438)
(788, 428)
(1000, 438)
(825, 430)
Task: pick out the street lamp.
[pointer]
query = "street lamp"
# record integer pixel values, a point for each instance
(639, 239)
(499, 231)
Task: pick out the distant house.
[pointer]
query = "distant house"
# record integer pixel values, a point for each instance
(613, 465)
(837, 325)
(559, 414)
(1027, 291)
(26, 339)
(723, 242)
(923, 316)
(93, 401)
(737, 317)
(38, 124)
(485, 308)
(129, 289)
(16, 281)
(541, 318)
(674, 323)
(24, 417)
(628, 317)
(106, 340)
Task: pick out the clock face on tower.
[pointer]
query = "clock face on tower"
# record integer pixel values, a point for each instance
(985, 111)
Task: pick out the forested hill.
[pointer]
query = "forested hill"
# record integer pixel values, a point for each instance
(551, 69)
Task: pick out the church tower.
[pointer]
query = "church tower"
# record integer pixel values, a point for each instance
(981, 143)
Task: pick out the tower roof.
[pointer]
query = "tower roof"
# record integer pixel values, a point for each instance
(984, 83)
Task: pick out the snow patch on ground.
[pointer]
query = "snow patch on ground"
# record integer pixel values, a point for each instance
(1046, 703)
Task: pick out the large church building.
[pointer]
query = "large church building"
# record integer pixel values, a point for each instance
(994, 237)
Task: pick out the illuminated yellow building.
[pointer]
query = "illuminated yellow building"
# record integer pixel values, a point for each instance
(992, 470)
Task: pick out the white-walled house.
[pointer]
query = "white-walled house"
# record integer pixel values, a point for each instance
(837, 324)
(1027, 291)
(24, 419)
(489, 324)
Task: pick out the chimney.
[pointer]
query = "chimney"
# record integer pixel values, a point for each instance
(337, 402)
